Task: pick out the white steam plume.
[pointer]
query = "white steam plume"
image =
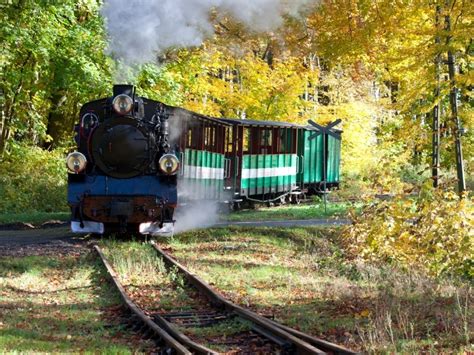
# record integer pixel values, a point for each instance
(139, 29)
(201, 215)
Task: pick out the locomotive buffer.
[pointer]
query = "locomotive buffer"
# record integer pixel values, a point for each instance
(324, 130)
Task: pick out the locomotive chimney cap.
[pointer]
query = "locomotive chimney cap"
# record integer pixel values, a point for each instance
(124, 89)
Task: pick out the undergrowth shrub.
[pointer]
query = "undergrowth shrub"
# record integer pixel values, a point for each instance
(434, 231)
(32, 180)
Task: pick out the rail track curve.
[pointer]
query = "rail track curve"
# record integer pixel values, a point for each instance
(173, 340)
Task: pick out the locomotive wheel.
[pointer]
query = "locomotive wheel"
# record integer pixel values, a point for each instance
(295, 199)
(236, 206)
(280, 201)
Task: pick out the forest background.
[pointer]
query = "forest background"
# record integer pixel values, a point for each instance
(380, 66)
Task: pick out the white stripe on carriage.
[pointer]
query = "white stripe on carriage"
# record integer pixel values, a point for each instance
(201, 172)
(268, 172)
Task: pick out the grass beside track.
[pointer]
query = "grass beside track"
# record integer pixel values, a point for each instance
(303, 277)
(310, 210)
(60, 304)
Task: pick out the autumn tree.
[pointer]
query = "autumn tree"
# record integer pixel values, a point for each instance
(397, 43)
(52, 59)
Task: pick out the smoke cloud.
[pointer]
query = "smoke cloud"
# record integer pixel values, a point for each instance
(139, 29)
(200, 215)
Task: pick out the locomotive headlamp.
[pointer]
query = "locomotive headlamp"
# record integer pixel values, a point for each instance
(169, 164)
(76, 162)
(122, 104)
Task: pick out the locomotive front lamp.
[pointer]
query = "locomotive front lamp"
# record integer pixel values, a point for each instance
(76, 162)
(169, 164)
(122, 104)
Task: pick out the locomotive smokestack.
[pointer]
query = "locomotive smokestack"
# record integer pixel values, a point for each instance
(124, 89)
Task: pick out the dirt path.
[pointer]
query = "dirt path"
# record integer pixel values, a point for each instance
(47, 241)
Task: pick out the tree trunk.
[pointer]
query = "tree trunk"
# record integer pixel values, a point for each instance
(454, 110)
(436, 108)
(56, 125)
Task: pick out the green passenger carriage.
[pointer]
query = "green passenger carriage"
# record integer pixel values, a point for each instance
(237, 161)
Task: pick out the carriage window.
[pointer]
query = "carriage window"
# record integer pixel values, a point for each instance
(206, 136)
(213, 145)
(189, 140)
(193, 139)
(265, 141)
(218, 142)
(246, 144)
(266, 137)
(209, 138)
(230, 140)
(197, 136)
(283, 142)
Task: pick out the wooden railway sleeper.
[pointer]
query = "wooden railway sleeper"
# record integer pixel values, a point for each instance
(287, 347)
(302, 347)
(173, 346)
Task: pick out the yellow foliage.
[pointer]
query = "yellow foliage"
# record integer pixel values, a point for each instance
(217, 83)
(434, 231)
(32, 179)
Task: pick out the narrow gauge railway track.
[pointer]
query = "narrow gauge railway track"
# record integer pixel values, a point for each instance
(272, 336)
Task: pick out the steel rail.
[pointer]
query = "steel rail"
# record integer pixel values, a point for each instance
(322, 344)
(304, 343)
(173, 338)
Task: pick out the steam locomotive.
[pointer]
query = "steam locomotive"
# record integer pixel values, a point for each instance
(137, 158)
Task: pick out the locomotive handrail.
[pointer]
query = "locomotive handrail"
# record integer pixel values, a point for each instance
(226, 168)
(181, 170)
(229, 168)
(297, 164)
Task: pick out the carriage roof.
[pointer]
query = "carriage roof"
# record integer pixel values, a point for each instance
(247, 122)
(255, 123)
